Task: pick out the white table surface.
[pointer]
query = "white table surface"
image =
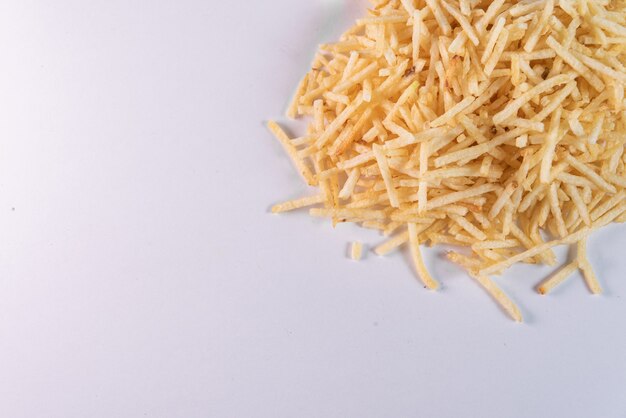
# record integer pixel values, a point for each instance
(142, 275)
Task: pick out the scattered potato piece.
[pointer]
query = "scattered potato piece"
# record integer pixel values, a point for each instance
(356, 251)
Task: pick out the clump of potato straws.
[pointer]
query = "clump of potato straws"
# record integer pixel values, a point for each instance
(473, 123)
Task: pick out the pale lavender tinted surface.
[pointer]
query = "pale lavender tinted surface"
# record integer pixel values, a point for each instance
(141, 275)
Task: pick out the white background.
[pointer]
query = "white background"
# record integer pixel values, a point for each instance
(142, 275)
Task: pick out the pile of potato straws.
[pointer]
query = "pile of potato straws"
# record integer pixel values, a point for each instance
(495, 127)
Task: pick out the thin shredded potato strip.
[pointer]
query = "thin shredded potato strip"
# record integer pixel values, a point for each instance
(391, 244)
(383, 165)
(493, 37)
(298, 203)
(540, 88)
(592, 175)
(507, 304)
(441, 19)
(303, 169)
(459, 196)
(557, 278)
(548, 156)
(578, 66)
(455, 110)
(465, 24)
(585, 267)
(609, 25)
(420, 267)
(538, 28)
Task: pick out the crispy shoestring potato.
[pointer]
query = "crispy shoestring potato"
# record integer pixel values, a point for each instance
(482, 124)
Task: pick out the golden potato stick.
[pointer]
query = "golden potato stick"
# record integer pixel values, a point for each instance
(469, 227)
(550, 147)
(344, 141)
(503, 198)
(298, 203)
(524, 8)
(476, 151)
(616, 180)
(508, 243)
(578, 66)
(463, 260)
(348, 187)
(555, 209)
(404, 97)
(425, 135)
(609, 217)
(282, 137)
(575, 180)
(495, 292)
(572, 191)
(532, 197)
(533, 38)
(493, 37)
(557, 278)
(366, 214)
(392, 243)
(465, 24)
(570, 239)
(490, 13)
(609, 25)
(616, 156)
(416, 35)
(585, 267)
(465, 7)
(439, 16)
(372, 20)
(420, 267)
(336, 124)
(385, 172)
(486, 95)
(292, 110)
(357, 161)
(348, 69)
(548, 256)
(557, 66)
(486, 165)
(498, 49)
(540, 54)
(525, 123)
(356, 78)
(600, 67)
(461, 195)
(609, 204)
(408, 5)
(454, 110)
(591, 175)
(422, 196)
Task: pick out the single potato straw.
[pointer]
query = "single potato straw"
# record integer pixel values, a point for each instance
(496, 126)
